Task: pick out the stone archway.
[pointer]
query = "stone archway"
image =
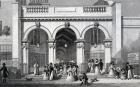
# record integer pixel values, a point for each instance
(73, 28)
(107, 35)
(65, 45)
(35, 48)
(33, 28)
(97, 43)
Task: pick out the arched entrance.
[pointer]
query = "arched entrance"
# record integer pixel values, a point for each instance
(97, 44)
(38, 49)
(65, 45)
(35, 48)
(94, 44)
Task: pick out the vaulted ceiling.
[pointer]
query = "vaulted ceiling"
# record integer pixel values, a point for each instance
(65, 36)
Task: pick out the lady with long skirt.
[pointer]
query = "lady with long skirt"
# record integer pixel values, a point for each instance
(129, 71)
(45, 74)
(111, 70)
(123, 74)
(52, 75)
(70, 77)
(65, 69)
(97, 71)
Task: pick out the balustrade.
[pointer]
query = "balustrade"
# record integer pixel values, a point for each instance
(94, 9)
(37, 9)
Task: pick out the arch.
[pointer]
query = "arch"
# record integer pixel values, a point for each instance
(107, 35)
(27, 32)
(63, 26)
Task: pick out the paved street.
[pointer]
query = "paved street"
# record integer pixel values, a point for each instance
(103, 82)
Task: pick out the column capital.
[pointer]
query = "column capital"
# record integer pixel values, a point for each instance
(107, 43)
(52, 45)
(25, 45)
(80, 45)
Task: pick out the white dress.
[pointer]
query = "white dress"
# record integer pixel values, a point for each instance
(45, 76)
(65, 70)
(111, 71)
(36, 69)
(70, 77)
(97, 71)
(51, 76)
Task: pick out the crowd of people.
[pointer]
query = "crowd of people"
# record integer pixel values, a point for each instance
(71, 71)
(125, 72)
(95, 66)
(56, 71)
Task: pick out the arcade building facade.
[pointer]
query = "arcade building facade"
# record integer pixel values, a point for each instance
(50, 34)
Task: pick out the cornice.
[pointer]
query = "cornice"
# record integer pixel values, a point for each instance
(28, 19)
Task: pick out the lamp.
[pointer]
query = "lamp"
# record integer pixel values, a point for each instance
(95, 45)
(65, 45)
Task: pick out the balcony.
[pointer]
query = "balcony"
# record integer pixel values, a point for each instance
(49, 11)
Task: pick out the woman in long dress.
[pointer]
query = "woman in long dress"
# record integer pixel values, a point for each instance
(111, 70)
(65, 69)
(36, 69)
(129, 71)
(97, 71)
(70, 76)
(123, 74)
(45, 74)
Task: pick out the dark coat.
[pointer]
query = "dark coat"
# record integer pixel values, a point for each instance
(5, 71)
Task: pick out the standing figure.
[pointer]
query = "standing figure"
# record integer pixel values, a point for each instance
(101, 65)
(51, 71)
(89, 66)
(97, 71)
(36, 69)
(111, 70)
(74, 72)
(4, 73)
(70, 76)
(92, 66)
(129, 70)
(45, 75)
(65, 69)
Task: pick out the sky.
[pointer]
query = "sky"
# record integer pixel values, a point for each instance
(129, 7)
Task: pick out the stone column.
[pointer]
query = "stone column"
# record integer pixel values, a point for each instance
(52, 55)
(80, 56)
(117, 31)
(107, 45)
(25, 48)
(16, 35)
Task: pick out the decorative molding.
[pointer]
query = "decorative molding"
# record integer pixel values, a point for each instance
(108, 44)
(25, 45)
(51, 45)
(80, 45)
(28, 19)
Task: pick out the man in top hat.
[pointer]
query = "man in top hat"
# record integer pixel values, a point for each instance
(4, 73)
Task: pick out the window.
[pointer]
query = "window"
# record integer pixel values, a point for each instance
(5, 52)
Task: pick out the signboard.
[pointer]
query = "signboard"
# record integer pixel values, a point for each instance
(133, 58)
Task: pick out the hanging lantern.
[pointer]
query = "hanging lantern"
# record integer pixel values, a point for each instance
(65, 45)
